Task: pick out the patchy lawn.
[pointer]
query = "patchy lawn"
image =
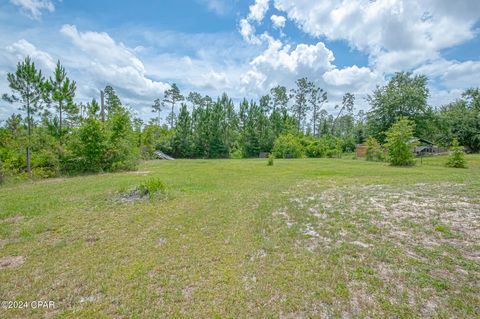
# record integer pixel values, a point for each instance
(237, 238)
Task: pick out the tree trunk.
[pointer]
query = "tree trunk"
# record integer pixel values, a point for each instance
(60, 126)
(171, 116)
(29, 121)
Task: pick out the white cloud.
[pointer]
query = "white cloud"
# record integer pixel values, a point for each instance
(278, 21)
(258, 10)
(248, 32)
(282, 64)
(107, 61)
(453, 74)
(349, 76)
(34, 8)
(22, 48)
(220, 7)
(408, 31)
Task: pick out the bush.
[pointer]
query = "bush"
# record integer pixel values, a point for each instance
(271, 157)
(287, 145)
(44, 172)
(315, 149)
(123, 153)
(374, 151)
(457, 156)
(348, 144)
(400, 143)
(1, 172)
(151, 187)
(236, 154)
(89, 147)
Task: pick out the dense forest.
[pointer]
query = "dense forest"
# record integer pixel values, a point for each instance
(54, 135)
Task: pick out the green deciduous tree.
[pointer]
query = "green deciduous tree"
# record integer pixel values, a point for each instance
(405, 95)
(457, 156)
(90, 147)
(400, 143)
(461, 120)
(287, 145)
(374, 151)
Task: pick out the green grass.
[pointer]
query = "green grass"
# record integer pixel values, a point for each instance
(237, 238)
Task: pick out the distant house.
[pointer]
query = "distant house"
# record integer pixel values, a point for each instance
(423, 148)
(426, 148)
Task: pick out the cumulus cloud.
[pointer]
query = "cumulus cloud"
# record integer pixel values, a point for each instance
(22, 48)
(360, 80)
(396, 31)
(453, 74)
(278, 21)
(111, 62)
(248, 32)
(34, 8)
(282, 64)
(258, 10)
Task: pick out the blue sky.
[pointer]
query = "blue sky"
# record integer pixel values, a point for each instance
(243, 47)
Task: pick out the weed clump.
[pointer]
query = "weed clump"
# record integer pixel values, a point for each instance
(151, 187)
(271, 157)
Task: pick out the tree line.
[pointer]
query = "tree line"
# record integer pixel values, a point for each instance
(54, 135)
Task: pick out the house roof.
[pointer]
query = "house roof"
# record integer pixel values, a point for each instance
(425, 141)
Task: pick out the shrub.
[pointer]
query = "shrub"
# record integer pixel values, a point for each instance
(315, 149)
(122, 151)
(44, 172)
(457, 156)
(374, 151)
(400, 143)
(236, 153)
(89, 147)
(271, 157)
(151, 187)
(287, 145)
(1, 172)
(348, 144)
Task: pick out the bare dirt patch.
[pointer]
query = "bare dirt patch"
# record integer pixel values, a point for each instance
(11, 261)
(417, 243)
(14, 219)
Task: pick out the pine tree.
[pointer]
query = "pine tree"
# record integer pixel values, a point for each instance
(317, 98)
(300, 106)
(112, 101)
(182, 142)
(28, 88)
(158, 107)
(348, 102)
(172, 96)
(61, 91)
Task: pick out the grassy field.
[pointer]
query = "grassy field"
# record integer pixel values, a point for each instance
(306, 238)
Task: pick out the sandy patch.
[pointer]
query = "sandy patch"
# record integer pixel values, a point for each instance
(11, 261)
